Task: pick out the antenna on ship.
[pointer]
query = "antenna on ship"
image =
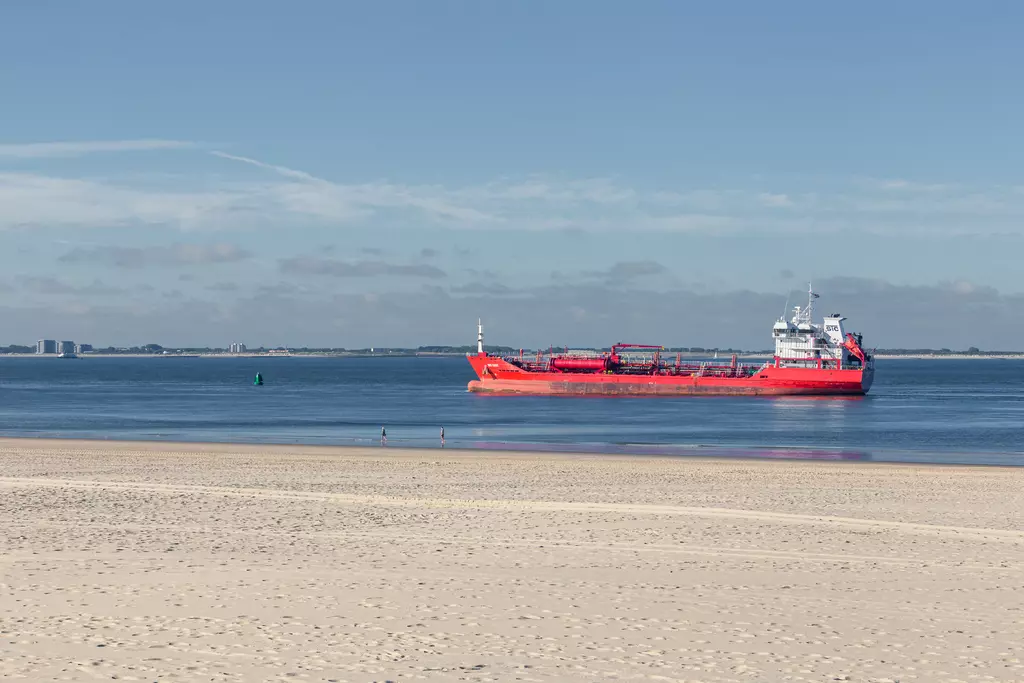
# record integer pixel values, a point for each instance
(479, 337)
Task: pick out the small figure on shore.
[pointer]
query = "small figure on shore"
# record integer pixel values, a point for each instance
(442, 437)
(383, 436)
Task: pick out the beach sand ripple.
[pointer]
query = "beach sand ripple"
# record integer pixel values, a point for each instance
(175, 562)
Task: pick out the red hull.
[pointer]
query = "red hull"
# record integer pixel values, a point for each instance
(498, 376)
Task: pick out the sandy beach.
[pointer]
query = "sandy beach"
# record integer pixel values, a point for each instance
(161, 561)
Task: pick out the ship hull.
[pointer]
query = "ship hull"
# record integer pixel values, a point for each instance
(498, 377)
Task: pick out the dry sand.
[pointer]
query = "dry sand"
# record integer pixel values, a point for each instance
(227, 563)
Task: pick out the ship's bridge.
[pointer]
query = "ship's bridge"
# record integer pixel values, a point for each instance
(801, 343)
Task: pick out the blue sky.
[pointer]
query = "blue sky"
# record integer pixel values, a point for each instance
(382, 173)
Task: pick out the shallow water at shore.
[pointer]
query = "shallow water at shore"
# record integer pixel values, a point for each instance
(944, 411)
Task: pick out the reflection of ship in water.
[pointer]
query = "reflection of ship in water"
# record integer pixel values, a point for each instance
(828, 414)
(789, 400)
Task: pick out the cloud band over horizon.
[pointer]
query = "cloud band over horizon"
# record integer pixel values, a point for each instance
(208, 198)
(565, 255)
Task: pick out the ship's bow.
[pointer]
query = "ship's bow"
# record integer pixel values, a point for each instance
(480, 364)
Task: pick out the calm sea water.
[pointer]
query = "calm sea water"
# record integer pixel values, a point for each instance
(918, 410)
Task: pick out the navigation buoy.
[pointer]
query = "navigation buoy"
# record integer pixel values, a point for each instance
(258, 380)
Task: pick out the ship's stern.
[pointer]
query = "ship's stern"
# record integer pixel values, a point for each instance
(867, 377)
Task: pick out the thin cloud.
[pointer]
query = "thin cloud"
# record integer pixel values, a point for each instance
(56, 287)
(689, 222)
(168, 256)
(292, 199)
(222, 287)
(555, 190)
(309, 265)
(38, 150)
(483, 288)
(35, 200)
(318, 195)
(627, 271)
(283, 170)
(775, 201)
(909, 185)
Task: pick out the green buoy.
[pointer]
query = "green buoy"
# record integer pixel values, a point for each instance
(258, 380)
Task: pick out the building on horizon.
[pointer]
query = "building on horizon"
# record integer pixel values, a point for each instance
(83, 348)
(66, 347)
(46, 346)
(237, 347)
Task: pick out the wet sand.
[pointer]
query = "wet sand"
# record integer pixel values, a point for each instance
(189, 562)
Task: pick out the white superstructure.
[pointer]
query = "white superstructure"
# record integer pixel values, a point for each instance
(801, 343)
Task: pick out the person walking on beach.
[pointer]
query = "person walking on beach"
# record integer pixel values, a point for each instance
(442, 437)
(383, 436)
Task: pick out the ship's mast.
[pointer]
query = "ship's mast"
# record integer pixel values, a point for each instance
(805, 315)
(811, 296)
(479, 337)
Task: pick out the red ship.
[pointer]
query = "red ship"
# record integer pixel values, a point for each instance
(809, 360)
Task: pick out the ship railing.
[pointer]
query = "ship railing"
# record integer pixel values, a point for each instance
(817, 363)
(636, 360)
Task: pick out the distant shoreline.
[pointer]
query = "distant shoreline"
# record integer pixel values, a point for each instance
(952, 356)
